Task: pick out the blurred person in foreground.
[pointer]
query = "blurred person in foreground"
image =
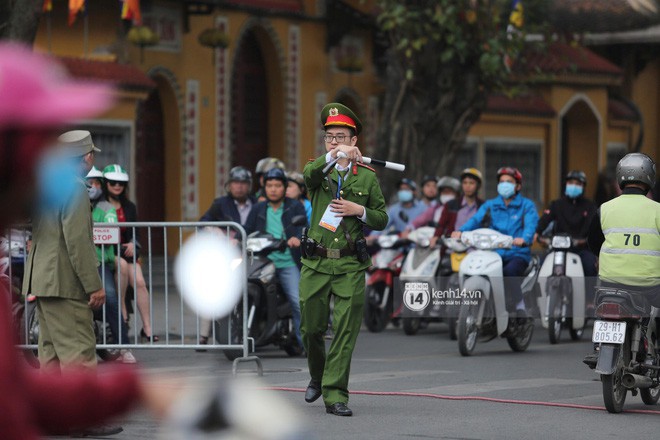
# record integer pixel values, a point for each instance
(61, 266)
(36, 101)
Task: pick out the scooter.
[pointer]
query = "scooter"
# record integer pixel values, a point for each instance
(386, 265)
(423, 261)
(483, 313)
(562, 284)
(270, 319)
(628, 352)
(459, 251)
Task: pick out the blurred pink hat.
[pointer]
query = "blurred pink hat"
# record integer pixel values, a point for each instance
(36, 91)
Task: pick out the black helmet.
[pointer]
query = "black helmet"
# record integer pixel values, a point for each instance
(276, 174)
(406, 181)
(636, 167)
(429, 178)
(577, 175)
(240, 174)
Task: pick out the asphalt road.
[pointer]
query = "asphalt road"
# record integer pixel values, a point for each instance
(429, 364)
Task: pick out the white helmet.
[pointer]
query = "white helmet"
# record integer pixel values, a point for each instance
(94, 173)
(116, 173)
(449, 182)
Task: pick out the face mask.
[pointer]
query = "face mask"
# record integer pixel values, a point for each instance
(446, 198)
(506, 189)
(573, 191)
(405, 195)
(94, 192)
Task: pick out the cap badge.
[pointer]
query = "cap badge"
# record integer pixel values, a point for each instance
(334, 112)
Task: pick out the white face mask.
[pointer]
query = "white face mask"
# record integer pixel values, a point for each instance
(446, 198)
(94, 192)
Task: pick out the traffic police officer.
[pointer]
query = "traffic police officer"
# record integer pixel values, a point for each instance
(626, 231)
(334, 255)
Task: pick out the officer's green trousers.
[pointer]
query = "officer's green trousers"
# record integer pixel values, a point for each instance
(66, 333)
(331, 369)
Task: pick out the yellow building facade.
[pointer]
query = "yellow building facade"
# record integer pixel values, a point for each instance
(187, 112)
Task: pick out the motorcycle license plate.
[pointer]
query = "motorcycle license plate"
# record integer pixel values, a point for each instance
(609, 332)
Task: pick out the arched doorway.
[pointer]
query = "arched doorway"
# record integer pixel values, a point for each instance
(158, 158)
(150, 166)
(580, 141)
(250, 104)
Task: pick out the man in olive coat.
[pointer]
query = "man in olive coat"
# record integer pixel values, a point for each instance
(61, 268)
(349, 192)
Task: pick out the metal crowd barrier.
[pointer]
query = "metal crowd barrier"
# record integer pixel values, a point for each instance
(175, 324)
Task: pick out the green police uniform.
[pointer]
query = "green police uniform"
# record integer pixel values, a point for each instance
(343, 277)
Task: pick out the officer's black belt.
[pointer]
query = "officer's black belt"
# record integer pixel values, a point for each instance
(322, 252)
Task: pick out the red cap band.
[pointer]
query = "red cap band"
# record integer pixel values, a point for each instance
(340, 120)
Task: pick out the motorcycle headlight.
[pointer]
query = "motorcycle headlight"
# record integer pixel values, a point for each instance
(267, 273)
(561, 242)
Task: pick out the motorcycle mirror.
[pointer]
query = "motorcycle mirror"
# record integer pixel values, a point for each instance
(207, 274)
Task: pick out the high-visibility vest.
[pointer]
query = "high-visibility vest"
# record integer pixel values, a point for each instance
(630, 254)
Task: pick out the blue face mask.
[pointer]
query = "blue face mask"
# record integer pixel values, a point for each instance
(573, 191)
(506, 189)
(405, 195)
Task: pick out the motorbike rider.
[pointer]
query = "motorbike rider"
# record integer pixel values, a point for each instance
(429, 190)
(512, 214)
(459, 210)
(449, 188)
(572, 214)
(275, 216)
(297, 190)
(625, 232)
(402, 212)
(104, 212)
(236, 205)
(233, 207)
(263, 166)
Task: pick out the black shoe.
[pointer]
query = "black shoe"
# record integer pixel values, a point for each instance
(99, 431)
(203, 340)
(591, 360)
(145, 337)
(339, 409)
(313, 391)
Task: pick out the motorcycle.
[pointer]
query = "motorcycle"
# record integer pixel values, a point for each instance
(562, 286)
(423, 261)
(459, 251)
(483, 313)
(387, 262)
(270, 319)
(628, 353)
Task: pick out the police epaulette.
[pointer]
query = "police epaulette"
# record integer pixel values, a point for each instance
(366, 166)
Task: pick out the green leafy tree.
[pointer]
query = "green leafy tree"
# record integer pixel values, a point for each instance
(444, 57)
